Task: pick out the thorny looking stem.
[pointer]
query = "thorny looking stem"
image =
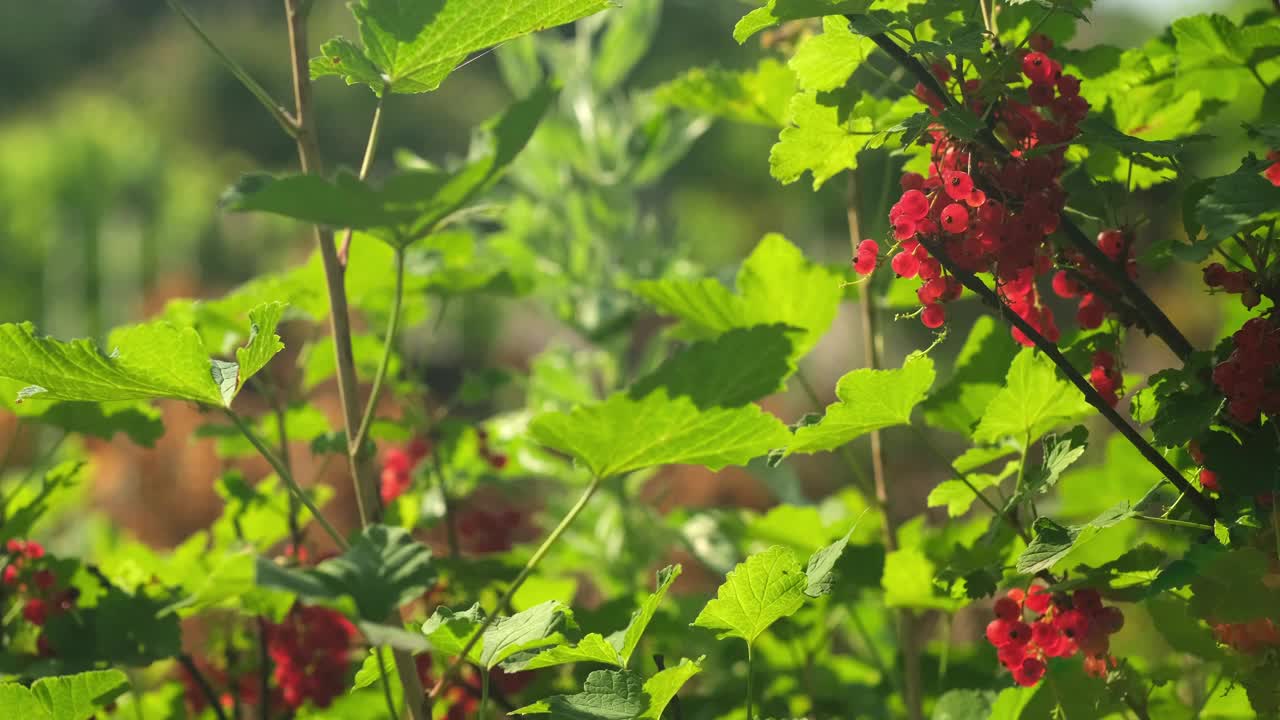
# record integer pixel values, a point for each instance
(366, 490)
(528, 569)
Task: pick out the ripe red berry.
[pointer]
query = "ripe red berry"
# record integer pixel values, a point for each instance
(933, 316)
(1029, 672)
(1038, 599)
(955, 218)
(1038, 68)
(1209, 480)
(958, 185)
(45, 579)
(905, 264)
(1112, 243)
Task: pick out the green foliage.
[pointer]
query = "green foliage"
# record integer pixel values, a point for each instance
(384, 568)
(70, 697)
(758, 592)
(868, 400)
(758, 96)
(152, 360)
(412, 49)
(1053, 542)
(775, 285)
(1032, 402)
(826, 131)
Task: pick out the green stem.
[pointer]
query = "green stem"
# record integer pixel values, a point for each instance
(1174, 523)
(749, 674)
(370, 149)
(484, 694)
(287, 477)
(1253, 70)
(278, 113)
(388, 348)
(386, 683)
(525, 572)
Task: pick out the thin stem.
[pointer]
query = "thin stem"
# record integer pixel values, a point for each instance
(385, 681)
(1156, 321)
(971, 281)
(528, 569)
(1174, 523)
(1208, 695)
(203, 683)
(749, 674)
(370, 149)
(282, 429)
(912, 692)
(450, 520)
(281, 470)
(278, 113)
(484, 694)
(388, 348)
(366, 488)
(1253, 70)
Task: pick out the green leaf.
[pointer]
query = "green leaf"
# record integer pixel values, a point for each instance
(606, 695)
(819, 572)
(1032, 402)
(623, 434)
(664, 685)
(761, 590)
(958, 497)
(964, 705)
(1209, 40)
(827, 61)
(409, 205)
(907, 581)
(449, 631)
(66, 697)
(413, 47)
(384, 568)
(136, 419)
(1229, 588)
(630, 636)
(591, 648)
(758, 96)
(739, 367)
(1236, 201)
(868, 400)
(1178, 403)
(776, 285)
(1053, 542)
(779, 11)
(961, 122)
(1094, 131)
(824, 138)
(152, 360)
(369, 672)
(536, 627)
(263, 343)
(1060, 452)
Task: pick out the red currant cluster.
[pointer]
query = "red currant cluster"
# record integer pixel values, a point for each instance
(1106, 378)
(1273, 170)
(1004, 229)
(26, 571)
(311, 653)
(397, 468)
(1251, 638)
(1248, 376)
(1064, 626)
(1238, 282)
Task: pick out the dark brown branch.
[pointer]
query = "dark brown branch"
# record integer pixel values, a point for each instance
(1155, 321)
(203, 683)
(977, 286)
